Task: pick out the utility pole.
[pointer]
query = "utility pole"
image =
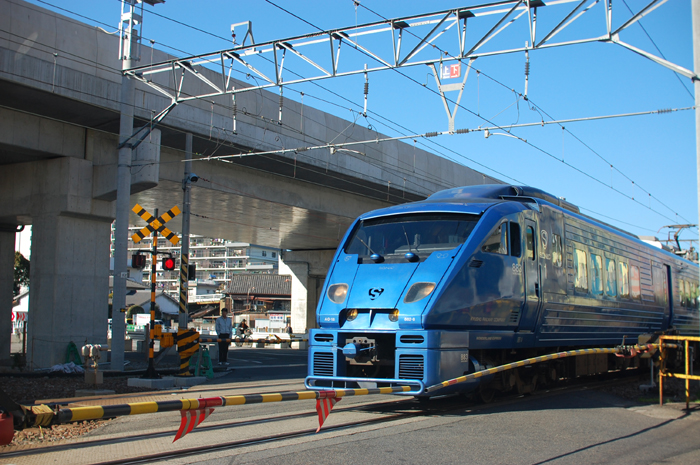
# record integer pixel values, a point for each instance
(129, 53)
(185, 245)
(695, 5)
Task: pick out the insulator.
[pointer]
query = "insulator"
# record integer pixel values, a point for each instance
(431, 134)
(235, 108)
(281, 101)
(462, 131)
(665, 110)
(366, 88)
(527, 68)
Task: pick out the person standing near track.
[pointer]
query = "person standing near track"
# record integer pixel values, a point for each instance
(224, 326)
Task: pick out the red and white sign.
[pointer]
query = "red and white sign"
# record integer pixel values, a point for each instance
(19, 316)
(451, 71)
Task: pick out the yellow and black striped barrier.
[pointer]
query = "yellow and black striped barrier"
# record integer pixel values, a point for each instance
(106, 411)
(97, 412)
(534, 360)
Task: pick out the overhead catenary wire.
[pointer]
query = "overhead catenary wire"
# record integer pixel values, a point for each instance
(543, 151)
(537, 148)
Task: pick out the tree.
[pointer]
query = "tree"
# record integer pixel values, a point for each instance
(21, 273)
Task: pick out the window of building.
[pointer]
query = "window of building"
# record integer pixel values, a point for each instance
(580, 270)
(264, 253)
(530, 242)
(635, 284)
(557, 253)
(623, 280)
(596, 274)
(497, 242)
(610, 278)
(274, 254)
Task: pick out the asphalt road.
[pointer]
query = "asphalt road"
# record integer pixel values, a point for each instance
(586, 427)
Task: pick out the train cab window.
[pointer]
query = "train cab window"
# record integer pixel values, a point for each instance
(610, 278)
(635, 284)
(580, 270)
(421, 233)
(530, 243)
(596, 274)
(623, 280)
(557, 255)
(514, 239)
(497, 242)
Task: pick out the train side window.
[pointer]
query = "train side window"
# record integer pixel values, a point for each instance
(623, 280)
(658, 276)
(581, 270)
(635, 284)
(688, 297)
(610, 278)
(596, 274)
(514, 239)
(681, 291)
(530, 242)
(497, 242)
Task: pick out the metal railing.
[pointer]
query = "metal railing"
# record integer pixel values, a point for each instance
(687, 376)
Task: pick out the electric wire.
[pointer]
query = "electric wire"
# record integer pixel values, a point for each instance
(537, 148)
(532, 145)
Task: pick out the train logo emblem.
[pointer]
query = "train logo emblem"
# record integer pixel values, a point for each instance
(543, 233)
(375, 292)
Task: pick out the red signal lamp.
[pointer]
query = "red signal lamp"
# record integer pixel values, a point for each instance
(168, 263)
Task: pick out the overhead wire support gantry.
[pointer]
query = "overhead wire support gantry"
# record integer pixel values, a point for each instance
(169, 77)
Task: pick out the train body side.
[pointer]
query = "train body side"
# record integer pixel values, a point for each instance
(531, 275)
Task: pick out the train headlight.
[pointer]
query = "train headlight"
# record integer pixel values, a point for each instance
(418, 291)
(394, 315)
(352, 314)
(338, 292)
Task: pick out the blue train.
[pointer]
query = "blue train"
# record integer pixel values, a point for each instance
(478, 276)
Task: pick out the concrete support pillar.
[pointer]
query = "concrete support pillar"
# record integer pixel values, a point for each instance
(68, 295)
(308, 271)
(7, 260)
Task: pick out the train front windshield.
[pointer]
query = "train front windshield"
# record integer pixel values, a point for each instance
(421, 234)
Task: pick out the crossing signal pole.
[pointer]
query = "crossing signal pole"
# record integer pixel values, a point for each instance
(155, 225)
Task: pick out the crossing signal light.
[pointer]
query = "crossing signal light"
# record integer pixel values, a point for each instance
(168, 263)
(138, 261)
(191, 272)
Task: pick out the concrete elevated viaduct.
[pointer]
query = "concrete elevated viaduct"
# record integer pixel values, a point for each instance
(59, 121)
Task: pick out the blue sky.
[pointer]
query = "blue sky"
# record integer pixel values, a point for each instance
(656, 152)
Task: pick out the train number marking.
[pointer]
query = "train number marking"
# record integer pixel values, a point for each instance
(375, 292)
(329, 318)
(442, 255)
(517, 268)
(409, 318)
(464, 358)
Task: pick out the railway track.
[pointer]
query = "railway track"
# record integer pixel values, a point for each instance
(216, 437)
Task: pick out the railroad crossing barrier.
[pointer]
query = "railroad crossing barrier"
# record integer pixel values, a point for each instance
(664, 373)
(28, 416)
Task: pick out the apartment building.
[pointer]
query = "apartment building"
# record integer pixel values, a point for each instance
(217, 260)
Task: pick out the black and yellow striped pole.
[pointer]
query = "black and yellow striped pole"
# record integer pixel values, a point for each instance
(155, 224)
